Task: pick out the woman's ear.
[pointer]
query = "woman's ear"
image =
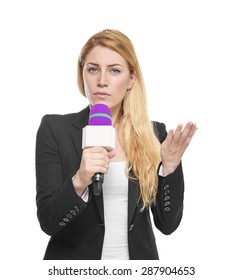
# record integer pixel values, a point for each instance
(132, 79)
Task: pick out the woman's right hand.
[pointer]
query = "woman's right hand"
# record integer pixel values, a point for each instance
(94, 160)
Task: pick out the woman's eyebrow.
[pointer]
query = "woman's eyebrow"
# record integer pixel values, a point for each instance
(110, 65)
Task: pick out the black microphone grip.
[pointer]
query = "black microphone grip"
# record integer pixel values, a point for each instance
(97, 181)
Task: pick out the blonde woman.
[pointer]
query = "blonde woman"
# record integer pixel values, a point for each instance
(143, 172)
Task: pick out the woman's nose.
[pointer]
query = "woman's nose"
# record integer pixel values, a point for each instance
(102, 81)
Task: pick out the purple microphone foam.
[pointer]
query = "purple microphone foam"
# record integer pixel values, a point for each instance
(100, 114)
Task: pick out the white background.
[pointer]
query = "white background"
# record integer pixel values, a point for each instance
(190, 53)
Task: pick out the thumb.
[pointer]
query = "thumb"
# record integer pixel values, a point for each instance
(111, 154)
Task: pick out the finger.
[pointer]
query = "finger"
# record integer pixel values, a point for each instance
(92, 159)
(177, 134)
(99, 163)
(192, 132)
(93, 151)
(169, 136)
(97, 166)
(101, 156)
(186, 131)
(188, 134)
(98, 150)
(98, 169)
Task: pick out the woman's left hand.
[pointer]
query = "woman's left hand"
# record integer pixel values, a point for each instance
(175, 145)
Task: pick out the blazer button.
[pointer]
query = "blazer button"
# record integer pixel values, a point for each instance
(66, 220)
(68, 216)
(167, 203)
(62, 224)
(166, 198)
(131, 227)
(166, 187)
(167, 209)
(73, 212)
(77, 209)
(166, 192)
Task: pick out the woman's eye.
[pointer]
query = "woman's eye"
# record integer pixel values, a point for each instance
(114, 71)
(92, 70)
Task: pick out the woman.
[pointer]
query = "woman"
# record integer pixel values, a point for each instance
(143, 171)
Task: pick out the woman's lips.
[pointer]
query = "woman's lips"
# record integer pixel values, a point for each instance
(102, 94)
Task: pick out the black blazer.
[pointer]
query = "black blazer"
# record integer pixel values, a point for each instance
(77, 228)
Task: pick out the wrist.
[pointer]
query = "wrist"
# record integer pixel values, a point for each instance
(78, 184)
(168, 169)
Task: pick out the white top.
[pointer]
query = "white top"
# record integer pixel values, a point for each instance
(115, 200)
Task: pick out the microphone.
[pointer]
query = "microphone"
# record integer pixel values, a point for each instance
(99, 132)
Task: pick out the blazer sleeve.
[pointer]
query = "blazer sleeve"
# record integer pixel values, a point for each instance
(57, 201)
(168, 208)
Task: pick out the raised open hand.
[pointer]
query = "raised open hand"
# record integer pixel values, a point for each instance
(175, 145)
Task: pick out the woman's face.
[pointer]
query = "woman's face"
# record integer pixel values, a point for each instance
(106, 78)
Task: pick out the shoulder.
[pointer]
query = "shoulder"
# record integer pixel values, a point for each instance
(62, 120)
(54, 126)
(160, 130)
(58, 119)
(58, 125)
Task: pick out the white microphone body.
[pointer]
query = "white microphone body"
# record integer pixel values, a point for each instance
(98, 136)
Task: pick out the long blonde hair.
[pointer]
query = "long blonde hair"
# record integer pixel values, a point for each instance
(136, 133)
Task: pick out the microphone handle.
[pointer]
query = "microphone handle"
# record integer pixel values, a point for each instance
(97, 181)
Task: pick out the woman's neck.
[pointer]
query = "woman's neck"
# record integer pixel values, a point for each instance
(120, 154)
